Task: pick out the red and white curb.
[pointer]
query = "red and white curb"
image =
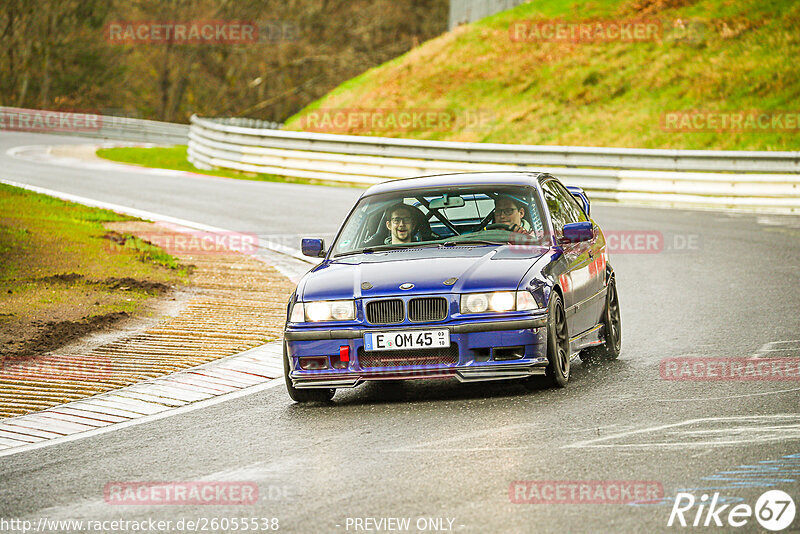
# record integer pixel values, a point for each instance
(235, 376)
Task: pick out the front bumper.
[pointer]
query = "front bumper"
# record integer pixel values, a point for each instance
(486, 350)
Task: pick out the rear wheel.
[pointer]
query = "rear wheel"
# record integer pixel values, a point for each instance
(558, 352)
(612, 329)
(303, 395)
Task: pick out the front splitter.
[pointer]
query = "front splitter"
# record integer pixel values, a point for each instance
(462, 374)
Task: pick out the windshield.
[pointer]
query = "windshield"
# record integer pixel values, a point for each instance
(418, 218)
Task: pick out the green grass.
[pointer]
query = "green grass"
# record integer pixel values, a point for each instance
(736, 55)
(43, 236)
(58, 264)
(172, 157)
(175, 158)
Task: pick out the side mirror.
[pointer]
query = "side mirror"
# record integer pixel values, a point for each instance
(580, 196)
(313, 247)
(579, 231)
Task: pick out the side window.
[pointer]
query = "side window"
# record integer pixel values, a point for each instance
(573, 209)
(533, 212)
(555, 206)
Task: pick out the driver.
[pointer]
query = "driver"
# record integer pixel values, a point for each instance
(511, 211)
(401, 224)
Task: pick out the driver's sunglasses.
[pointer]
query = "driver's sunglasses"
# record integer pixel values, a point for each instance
(505, 212)
(404, 220)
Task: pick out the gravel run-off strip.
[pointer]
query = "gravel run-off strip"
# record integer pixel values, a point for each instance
(235, 302)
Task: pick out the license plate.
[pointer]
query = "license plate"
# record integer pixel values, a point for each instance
(408, 339)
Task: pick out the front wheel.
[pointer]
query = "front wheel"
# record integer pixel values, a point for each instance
(303, 395)
(612, 329)
(558, 350)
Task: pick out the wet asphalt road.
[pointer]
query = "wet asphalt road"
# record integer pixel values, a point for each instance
(444, 455)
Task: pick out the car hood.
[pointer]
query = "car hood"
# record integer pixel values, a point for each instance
(380, 274)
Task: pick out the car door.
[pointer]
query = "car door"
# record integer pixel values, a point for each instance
(581, 276)
(593, 303)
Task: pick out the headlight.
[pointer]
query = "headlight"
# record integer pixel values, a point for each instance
(525, 301)
(298, 315)
(502, 302)
(499, 301)
(475, 303)
(324, 310)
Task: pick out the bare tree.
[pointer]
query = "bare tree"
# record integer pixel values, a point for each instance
(56, 53)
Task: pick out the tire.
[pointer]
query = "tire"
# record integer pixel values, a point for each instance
(612, 330)
(303, 395)
(558, 352)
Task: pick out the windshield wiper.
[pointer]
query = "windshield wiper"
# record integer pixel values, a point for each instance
(404, 245)
(451, 242)
(381, 248)
(353, 252)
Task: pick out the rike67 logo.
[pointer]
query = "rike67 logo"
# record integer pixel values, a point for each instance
(774, 510)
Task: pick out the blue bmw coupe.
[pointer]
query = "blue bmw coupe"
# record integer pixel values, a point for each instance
(475, 276)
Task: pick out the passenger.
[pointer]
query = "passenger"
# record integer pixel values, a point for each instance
(511, 212)
(401, 223)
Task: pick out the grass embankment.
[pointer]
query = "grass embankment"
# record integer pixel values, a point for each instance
(175, 158)
(711, 55)
(62, 274)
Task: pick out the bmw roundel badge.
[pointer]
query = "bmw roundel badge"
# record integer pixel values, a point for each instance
(407, 285)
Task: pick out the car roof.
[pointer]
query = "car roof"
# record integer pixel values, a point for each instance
(457, 179)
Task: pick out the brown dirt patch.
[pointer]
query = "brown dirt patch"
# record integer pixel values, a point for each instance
(52, 335)
(69, 307)
(128, 283)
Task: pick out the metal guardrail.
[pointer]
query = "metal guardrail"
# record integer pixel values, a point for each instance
(249, 123)
(756, 181)
(93, 125)
(465, 11)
